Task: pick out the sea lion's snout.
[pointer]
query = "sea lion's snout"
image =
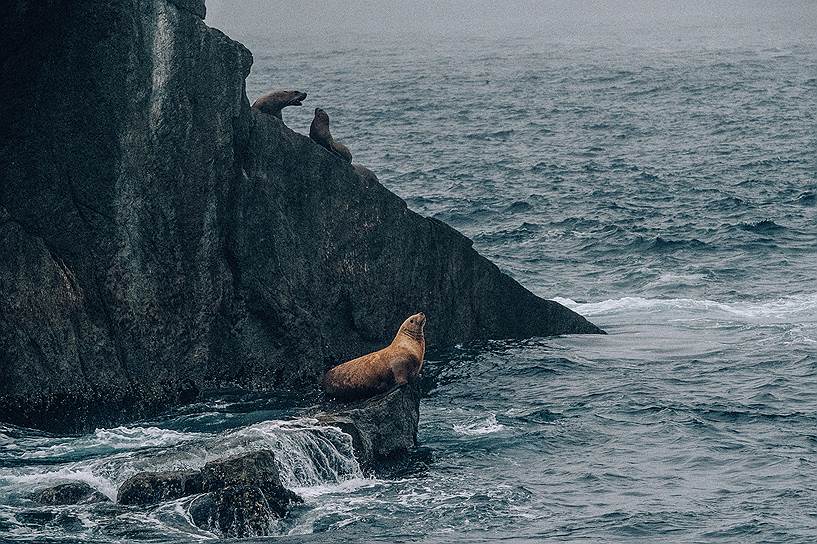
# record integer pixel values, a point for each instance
(299, 98)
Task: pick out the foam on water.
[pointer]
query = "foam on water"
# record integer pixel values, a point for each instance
(476, 428)
(793, 309)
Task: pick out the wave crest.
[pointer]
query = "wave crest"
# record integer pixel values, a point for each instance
(787, 309)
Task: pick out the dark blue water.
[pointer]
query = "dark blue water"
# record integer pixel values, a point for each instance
(661, 182)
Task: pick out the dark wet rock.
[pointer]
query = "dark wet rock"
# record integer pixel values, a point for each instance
(235, 511)
(382, 427)
(158, 237)
(245, 496)
(70, 493)
(154, 487)
(256, 467)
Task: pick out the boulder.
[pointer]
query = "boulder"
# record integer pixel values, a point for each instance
(70, 493)
(154, 487)
(245, 496)
(236, 511)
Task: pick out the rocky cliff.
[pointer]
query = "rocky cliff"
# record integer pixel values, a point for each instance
(158, 237)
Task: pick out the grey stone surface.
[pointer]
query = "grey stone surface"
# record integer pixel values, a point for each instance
(158, 237)
(382, 427)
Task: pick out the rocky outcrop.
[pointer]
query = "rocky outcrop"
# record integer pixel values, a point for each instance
(70, 493)
(382, 427)
(158, 237)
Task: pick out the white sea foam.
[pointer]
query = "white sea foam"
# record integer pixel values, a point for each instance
(116, 439)
(487, 425)
(45, 478)
(307, 453)
(793, 309)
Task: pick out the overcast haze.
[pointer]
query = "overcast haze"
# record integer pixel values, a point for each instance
(241, 18)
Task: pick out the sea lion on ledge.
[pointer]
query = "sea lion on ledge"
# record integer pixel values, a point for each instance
(398, 364)
(272, 103)
(319, 133)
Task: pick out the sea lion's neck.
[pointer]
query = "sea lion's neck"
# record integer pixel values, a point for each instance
(412, 340)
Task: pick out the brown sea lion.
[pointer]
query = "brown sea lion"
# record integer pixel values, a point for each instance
(395, 365)
(319, 132)
(272, 103)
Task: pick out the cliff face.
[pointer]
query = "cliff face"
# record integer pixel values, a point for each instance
(157, 236)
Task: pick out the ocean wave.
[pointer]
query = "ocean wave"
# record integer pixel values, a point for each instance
(808, 198)
(765, 226)
(518, 206)
(114, 439)
(796, 308)
(480, 427)
(495, 135)
(664, 244)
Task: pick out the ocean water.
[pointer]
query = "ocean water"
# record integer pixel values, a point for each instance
(662, 182)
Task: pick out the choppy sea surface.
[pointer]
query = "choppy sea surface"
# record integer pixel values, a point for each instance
(664, 186)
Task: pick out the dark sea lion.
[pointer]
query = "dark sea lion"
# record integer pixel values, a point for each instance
(319, 132)
(369, 177)
(397, 364)
(272, 103)
(342, 151)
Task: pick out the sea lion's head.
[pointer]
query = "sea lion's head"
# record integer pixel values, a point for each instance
(293, 98)
(414, 325)
(321, 115)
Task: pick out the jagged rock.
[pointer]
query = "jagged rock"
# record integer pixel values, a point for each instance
(245, 496)
(154, 487)
(70, 493)
(382, 427)
(158, 237)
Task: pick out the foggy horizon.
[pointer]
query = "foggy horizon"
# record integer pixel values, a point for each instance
(517, 18)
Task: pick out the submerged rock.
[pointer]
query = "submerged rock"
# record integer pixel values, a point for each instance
(382, 427)
(70, 493)
(154, 487)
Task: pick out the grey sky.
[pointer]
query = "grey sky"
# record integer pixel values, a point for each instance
(315, 17)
